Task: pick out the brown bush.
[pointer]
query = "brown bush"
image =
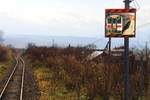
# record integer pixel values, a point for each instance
(5, 54)
(104, 78)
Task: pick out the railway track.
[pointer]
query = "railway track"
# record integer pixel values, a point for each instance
(13, 87)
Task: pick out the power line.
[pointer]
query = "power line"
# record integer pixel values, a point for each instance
(136, 4)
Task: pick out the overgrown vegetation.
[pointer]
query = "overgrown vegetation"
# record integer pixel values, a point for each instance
(5, 54)
(64, 74)
(5, 59)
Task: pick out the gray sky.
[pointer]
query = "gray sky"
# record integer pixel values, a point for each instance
(62, 17)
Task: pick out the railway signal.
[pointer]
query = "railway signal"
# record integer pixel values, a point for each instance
(122, 23)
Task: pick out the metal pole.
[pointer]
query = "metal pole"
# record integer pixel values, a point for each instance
(126, 69)
(142, 78)
(127, 3)
(126, 59)
(109, 45)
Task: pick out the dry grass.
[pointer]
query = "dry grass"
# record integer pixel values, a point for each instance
(50, 89)
(63, 74)
(2, 70)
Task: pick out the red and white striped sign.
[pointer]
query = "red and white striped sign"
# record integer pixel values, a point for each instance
(120, 10)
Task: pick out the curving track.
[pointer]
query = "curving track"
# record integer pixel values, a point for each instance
(13, 87)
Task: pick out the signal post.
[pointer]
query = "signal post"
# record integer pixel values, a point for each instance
(121, 23)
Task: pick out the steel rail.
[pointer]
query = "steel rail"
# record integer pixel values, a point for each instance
(10, 77)
(22, 82)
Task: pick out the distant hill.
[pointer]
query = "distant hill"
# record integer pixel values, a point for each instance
(21, 41)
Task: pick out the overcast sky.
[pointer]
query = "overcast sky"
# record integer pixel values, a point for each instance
(62, 17)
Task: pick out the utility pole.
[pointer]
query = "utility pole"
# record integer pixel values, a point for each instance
(53, 43)
(126, 58)
(146, 52)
